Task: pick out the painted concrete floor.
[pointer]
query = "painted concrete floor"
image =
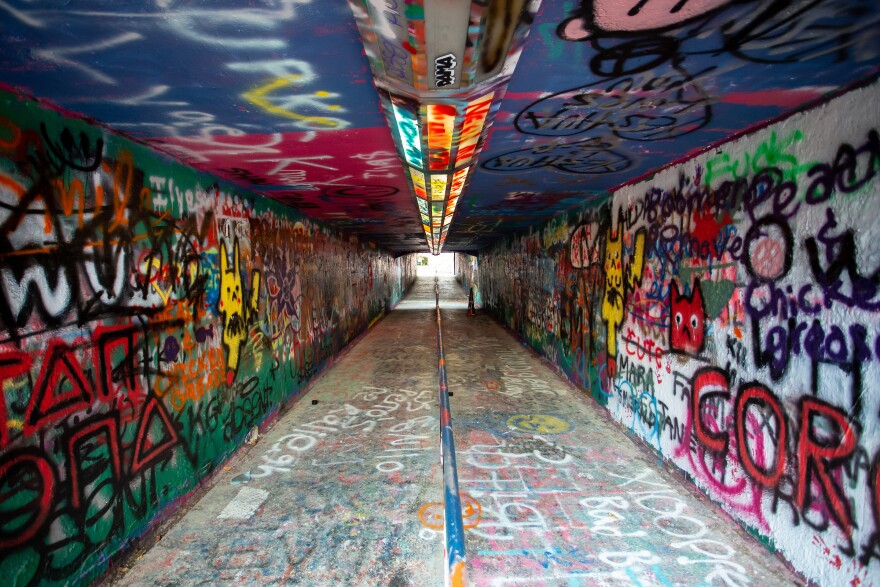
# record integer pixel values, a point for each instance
(560, 496)
(331, 495)
(346, 492)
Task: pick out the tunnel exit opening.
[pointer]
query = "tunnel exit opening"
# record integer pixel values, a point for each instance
(430, 265)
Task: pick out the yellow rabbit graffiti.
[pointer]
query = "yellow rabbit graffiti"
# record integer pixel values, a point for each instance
(237, 312)
(619, 281)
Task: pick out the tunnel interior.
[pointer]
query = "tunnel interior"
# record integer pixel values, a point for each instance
(673, 204)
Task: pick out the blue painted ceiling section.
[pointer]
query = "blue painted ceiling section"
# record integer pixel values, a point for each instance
(277, 96)
(148, 68)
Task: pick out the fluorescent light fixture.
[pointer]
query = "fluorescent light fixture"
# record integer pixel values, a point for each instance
(410, 135)
(438, 187)
(458, 182)
(441, 67)
(474, 121)
(441, 123)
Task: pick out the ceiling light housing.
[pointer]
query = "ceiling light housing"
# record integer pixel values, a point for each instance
(441, 68)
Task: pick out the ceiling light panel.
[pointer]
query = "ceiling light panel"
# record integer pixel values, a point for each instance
(441, 67)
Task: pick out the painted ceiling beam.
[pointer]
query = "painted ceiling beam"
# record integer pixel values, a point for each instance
(441, 68)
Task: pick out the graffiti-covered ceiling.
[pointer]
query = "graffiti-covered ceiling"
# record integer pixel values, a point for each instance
(278, 96)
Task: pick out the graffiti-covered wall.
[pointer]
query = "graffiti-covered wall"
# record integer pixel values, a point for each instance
(467, 273)
(727, 311)
(149, 319)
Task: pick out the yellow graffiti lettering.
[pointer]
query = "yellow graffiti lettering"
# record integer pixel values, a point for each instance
(270, 98)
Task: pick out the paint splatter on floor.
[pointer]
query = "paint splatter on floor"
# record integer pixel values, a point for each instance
(331, 494)
(244, 505)
(349, 491)
(565, 496)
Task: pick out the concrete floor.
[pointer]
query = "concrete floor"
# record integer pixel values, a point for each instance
(348, 491)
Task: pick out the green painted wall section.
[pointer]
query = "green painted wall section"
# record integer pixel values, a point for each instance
(150, 317)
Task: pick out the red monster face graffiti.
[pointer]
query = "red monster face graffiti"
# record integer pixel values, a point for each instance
(688, 320)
